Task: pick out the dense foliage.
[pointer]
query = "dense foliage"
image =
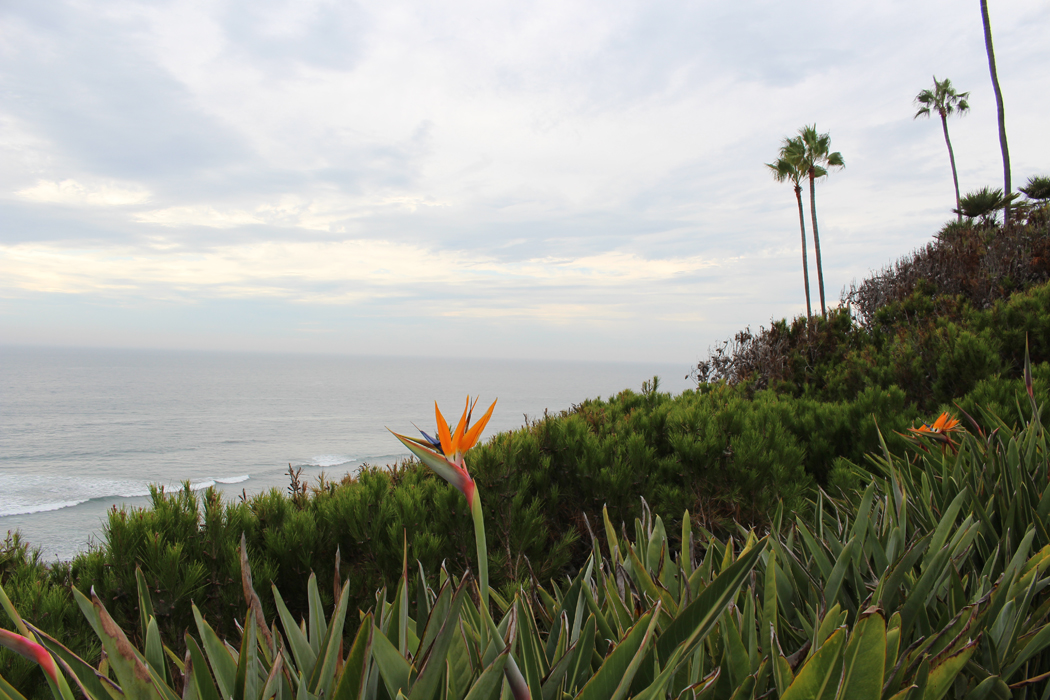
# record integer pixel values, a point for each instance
(929, 582)
(788, 409)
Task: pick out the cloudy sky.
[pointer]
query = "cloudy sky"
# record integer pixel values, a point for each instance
(564, 179)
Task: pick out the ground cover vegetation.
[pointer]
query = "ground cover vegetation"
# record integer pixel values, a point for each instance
(930, 581)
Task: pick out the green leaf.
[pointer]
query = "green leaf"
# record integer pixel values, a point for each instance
(222, 663)
(355, 670)
(245, 686)
(315, 617)
(943, 674)
(613, 679)
(990, 688)
(132, 674)
(820, 674)
(206, 689)
(698, 618)
(86, 674)
(324, 672)
(865, 659)
(8, 692)
(155, 650)
(834, 581)
(393, 667)
(490, 679)
(145, 602)
(433, 662)
(305, 656)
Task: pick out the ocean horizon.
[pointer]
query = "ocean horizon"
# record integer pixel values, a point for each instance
(84, 430)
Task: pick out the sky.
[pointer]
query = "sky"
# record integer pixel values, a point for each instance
(555, 179)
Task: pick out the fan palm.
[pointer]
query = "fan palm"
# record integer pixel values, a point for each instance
(814, 158)
(1038, 188)
(983, 204)
(999, 107)
(945, 101)
(784, 169)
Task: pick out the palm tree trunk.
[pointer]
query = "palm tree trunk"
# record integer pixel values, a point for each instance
(816, 240)
(951, 157)
(999, 107)
(805, 262)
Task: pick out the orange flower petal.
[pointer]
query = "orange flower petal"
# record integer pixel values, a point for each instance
(457, 437)
(475, 432)
(443, 435)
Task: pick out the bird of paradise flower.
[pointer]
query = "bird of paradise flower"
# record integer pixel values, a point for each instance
(941, 431)
(445, 455)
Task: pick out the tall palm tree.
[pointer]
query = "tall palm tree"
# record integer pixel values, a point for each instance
(784, 169)
(945, 101)
(815, 159)
(999, 108)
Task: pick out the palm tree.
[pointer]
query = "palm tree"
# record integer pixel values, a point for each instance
(814, 158)
(983, 204)
(784, 169)
(944, 101)
(999, 108)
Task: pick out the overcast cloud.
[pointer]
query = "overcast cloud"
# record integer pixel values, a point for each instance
(556, 179)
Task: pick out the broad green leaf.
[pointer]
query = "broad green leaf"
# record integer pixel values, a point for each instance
(1036, 643)
(393, 667)
(86, 675)
(991, 688)
(273, 680)
(696, 620)
(783, 677)
(735, 659)
(132, 674)
(221, 660)
(8, 692)
(943, 674)
(610, 537)
(206, 689)
(947, 522)
(155, 650)
(553, 682)
(579, 674)
(820, 674)
(833, 619)
(613, 680)
(490, 679)
(865, 659)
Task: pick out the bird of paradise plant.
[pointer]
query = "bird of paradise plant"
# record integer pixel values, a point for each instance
(941, 430)
(444, 454)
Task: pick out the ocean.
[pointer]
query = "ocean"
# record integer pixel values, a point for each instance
(84, 430)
